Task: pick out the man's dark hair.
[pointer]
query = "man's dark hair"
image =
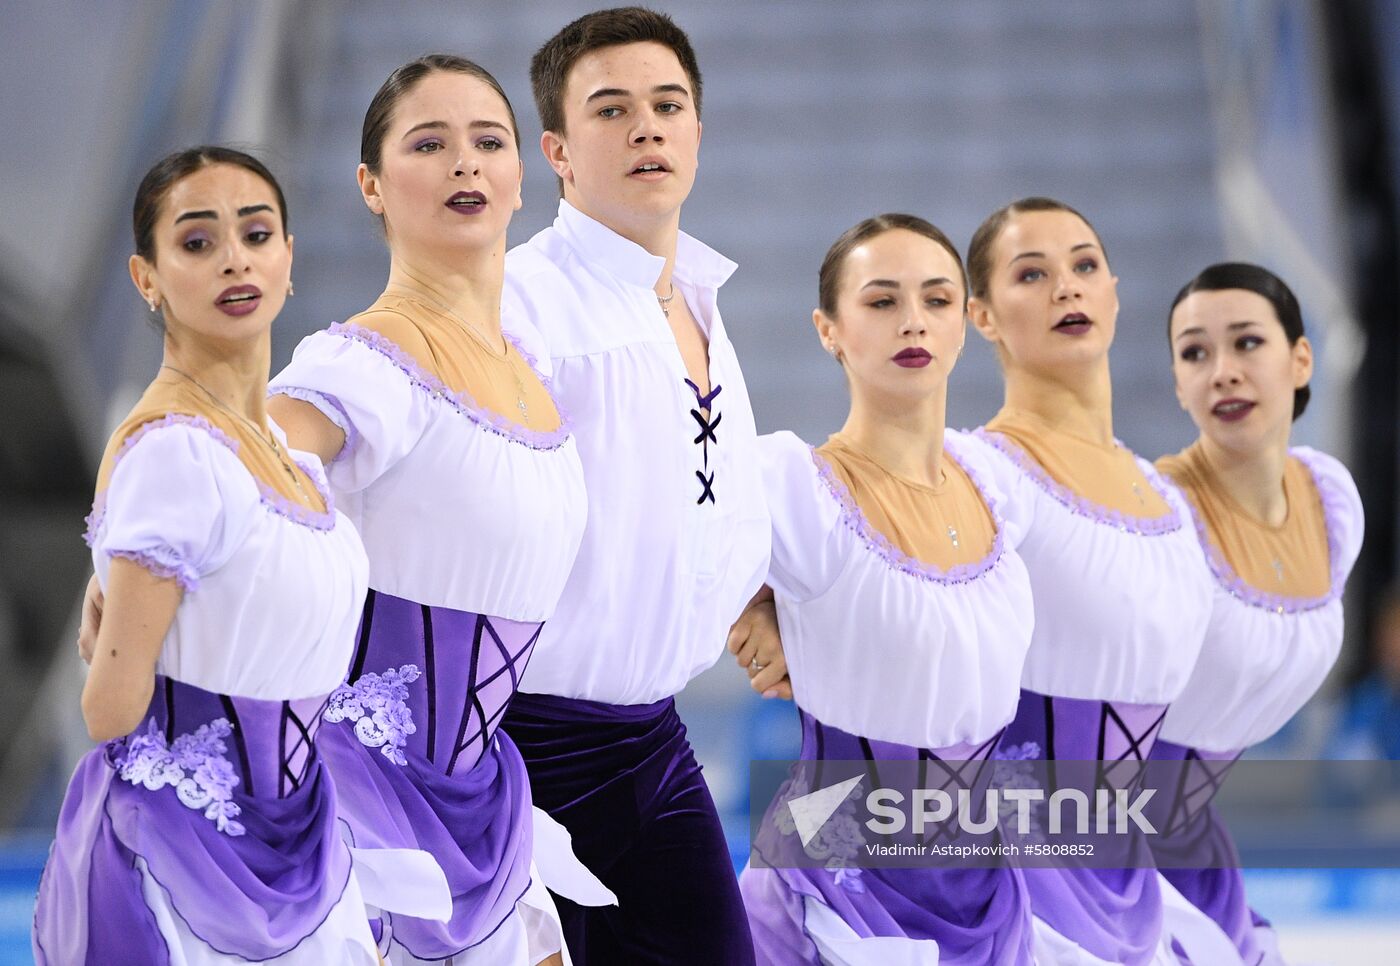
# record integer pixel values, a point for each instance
(549, 68)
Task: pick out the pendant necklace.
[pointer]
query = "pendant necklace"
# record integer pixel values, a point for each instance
(479, 336)
(665, 301)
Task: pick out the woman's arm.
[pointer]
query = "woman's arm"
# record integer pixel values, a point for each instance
(307, 428)
(137, 612)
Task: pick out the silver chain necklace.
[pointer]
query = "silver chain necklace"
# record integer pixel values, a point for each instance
(270, 439)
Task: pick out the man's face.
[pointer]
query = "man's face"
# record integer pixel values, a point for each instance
(632, 137)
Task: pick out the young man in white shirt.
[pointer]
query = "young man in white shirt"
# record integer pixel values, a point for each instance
(621, 307)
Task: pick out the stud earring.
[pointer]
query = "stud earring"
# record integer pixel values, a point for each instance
(153, 302)
(291, 289)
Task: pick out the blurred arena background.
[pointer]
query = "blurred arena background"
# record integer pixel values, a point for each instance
(1187, 130)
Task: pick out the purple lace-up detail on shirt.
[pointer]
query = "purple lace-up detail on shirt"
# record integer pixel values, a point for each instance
(462, 401)
(897, 558)
(1332, 505)
(378, 704)
(704, 404)
(1142, 526)
(194, 763)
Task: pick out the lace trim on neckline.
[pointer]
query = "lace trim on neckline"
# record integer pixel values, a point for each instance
(1225, 575)
(463, 402)
(1081, 505)
(319, 520)
(892, 555)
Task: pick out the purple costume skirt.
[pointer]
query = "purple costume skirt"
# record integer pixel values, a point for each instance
(412, 742)
(1116, 914)
(977, 916)
(1193, 832)
(227, 802)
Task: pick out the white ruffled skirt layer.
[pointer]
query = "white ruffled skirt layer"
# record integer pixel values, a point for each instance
(344, 937)
(1204, 942)
(529, 935)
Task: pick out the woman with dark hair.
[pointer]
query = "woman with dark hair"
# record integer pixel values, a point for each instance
(1121, 598)
(203, 830)
(905, 616)
(453, 460)
(1281, 528)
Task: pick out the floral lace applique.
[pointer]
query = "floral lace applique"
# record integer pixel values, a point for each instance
(378, 704)
(193, 763)
(839, 842)
(1012, 769)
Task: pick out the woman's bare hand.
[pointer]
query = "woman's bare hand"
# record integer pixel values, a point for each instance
(757, 646)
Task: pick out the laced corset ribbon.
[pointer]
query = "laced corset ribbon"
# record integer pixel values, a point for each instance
(172, 397)
(431, 681)
(447, 350)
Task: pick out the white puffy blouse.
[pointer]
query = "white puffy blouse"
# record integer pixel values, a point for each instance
(880, 644)
(1264, 654)
(1121, 602)
(457, 506)
(677, 536)
(273, 589)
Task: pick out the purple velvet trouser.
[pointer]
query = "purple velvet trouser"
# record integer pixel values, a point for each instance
(623, 780)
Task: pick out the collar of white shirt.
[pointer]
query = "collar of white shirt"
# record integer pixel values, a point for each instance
(697, 264)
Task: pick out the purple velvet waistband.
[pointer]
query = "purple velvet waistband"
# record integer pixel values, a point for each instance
(250, 874)
(552, 707)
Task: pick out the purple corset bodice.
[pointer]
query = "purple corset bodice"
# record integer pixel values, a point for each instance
(207, 745)
(431, 680)
(1192, 786)
(953, 768)
(223, 799)
(1117, 733)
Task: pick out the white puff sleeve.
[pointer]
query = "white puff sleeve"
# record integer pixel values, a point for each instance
(1341, 508)
(806, 558)
(374, 391)
(179, 502)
